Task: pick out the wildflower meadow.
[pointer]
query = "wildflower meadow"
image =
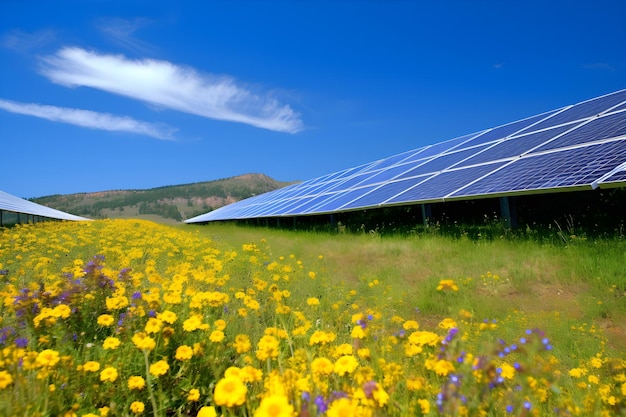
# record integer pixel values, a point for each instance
(133, 318)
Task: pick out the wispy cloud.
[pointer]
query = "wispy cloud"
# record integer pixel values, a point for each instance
(122, 32)
(170, 86)
(89, 119)
(26, 42)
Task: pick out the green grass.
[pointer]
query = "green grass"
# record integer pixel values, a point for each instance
(583, 281)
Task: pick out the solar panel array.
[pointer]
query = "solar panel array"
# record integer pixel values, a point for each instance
(577, 147)
(15, 204)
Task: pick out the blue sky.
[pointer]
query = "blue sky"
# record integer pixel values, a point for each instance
(104, 95)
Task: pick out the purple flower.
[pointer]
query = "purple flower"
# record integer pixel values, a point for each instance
(322, 406)
(21, 342)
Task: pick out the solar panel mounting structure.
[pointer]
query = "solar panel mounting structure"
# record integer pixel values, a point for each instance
(576, 147)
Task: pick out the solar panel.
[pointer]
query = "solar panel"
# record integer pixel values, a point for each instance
(581, 146)
(568, 168)
(9, 202)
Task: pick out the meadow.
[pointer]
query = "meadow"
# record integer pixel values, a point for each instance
(131, 317)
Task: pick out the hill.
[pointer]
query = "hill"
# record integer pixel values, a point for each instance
(169, 204)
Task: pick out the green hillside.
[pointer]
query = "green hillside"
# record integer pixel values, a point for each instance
(169, 204)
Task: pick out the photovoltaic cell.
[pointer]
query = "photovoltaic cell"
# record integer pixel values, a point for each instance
(384, 192)
(619, 176)
(341, 199)
(515, 146)
(442, 147)
(441, 162)
(603, 127)
(568, 168)
(441, 185)
(588, 108)
(506, 130)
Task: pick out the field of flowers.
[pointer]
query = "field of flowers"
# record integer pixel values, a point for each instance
(128, 317)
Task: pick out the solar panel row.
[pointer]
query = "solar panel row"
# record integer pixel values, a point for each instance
(15, 204)
(577, 146)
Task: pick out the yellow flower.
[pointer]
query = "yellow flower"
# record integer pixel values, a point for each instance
(345, 365)
(267, 348)
(61, 311)
(424, 338)
(313, 301)
(137, 407)
(357, 332)
(105, 320)
(5, 379)
(322, 366)
(48, 358)
(184, 353)
(230, 391)
(153, 325)
(424, 405)
(577, 372)
(216, 336)
(193, 395)
(192, 323)
(342, 407)
(91, 366)
(242, 343)
(159, 368)
(111, 343)
(508, 372)
(136, 382)
(410, 325)
(168, 316)
(104, 411)
(440, 366)
(274, 406)
(596, 363)
(447, 323)
(220, 324)
(108, 374)
(143, 341)
(207, 412)
(447, 284)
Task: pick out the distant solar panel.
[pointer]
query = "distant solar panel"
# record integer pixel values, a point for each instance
(582, 146)
(15, 204)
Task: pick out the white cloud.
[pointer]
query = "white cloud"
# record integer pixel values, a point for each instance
(90, 119)
(170, 86)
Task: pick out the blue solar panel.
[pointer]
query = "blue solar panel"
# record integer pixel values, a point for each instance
(619, 176)
(576, 146)
(384, 192)
(515, 146)
(603, 127)
(392, 160)
(341, 199)
(585, 109)
(312, 203)
(442, 162)
(389, 173)
(506, 130)
(439, 186)
(442, 147)
(567, 168)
